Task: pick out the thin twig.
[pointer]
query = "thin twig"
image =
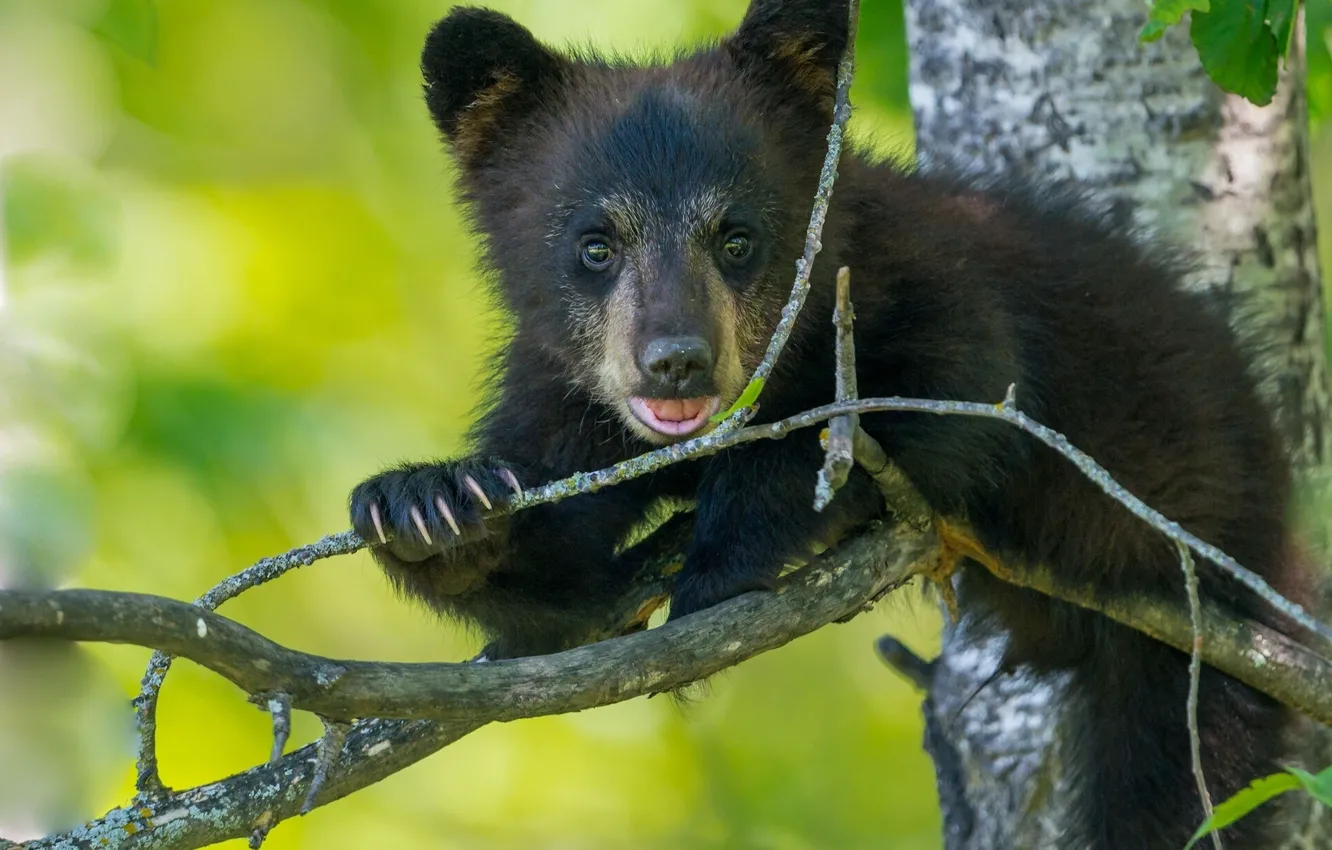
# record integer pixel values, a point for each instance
(841, 430)
(330, 747)
(903, 499)
(1006, 411)
(822, 199)
(1195, 675)
(279, 706)
(148, 781)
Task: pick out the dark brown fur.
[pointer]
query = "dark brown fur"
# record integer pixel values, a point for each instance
(960, 288)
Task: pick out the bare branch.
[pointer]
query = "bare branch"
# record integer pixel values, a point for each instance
(1195, 676)
(1262, 658)
(1006, 411)
(838, 584)
(239, 805)
(331, 744)
(148, 781)
(661, 659)
(841, 431)
(822, 199)
(279, 706)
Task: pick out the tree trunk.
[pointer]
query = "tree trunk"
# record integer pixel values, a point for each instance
(1063, 90)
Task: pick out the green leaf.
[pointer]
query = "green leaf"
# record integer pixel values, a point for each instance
(1258, 792)
(1237, 48)
(1281, 20)
(1167, 13)
(1319, 787)
(746, 398)
(131, 25)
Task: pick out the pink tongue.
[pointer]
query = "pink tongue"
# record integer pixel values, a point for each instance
(674, 409)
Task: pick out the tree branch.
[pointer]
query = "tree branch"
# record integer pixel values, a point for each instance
(837, 585)
(240, 805)
(147, 780)
(842, 582)
(1279, 666)
(841, 430)
(1005, 411)
(1195, 678)
(466, 696)
(819, 214)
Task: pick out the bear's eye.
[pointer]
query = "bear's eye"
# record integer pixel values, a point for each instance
(737, 246)
(596, 253)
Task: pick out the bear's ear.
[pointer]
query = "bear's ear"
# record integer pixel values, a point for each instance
(483, 73)
(795, 44)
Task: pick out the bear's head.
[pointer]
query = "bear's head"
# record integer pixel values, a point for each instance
(643, 219)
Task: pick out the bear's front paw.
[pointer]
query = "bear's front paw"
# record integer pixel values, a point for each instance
(420, 510)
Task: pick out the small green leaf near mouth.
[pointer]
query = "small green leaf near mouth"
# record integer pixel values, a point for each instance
(746, 398)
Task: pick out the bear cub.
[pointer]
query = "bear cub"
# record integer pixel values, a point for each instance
(641, 224)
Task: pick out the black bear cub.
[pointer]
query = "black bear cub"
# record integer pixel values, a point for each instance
(642, 223)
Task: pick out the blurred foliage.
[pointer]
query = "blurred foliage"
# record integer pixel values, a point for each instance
(235, 284)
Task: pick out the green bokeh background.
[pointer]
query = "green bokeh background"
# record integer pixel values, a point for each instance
(235, 284)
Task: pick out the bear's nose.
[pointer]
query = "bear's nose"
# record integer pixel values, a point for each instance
(676, 360)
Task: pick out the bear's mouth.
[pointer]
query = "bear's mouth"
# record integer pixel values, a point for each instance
(674, 417)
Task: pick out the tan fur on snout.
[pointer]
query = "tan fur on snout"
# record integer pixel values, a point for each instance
(605, 335)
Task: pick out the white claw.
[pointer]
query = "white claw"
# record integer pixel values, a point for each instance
(508, 476)
(476, 488)
(379, 523)
(448, 515)
(421, 526)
